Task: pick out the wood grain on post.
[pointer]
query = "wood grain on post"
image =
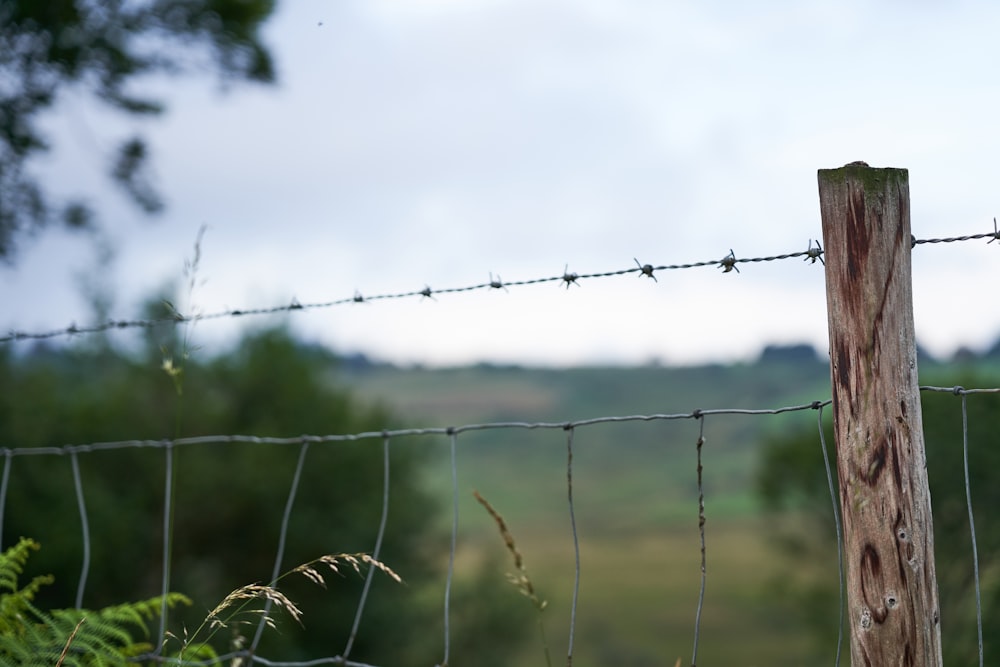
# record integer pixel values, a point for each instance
(892, 598)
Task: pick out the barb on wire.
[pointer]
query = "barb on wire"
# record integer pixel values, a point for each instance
(728, 263)
(570, 278)
(497, 283)
(812, 254)
(646, 270)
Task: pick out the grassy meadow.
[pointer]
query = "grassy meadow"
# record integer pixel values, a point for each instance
(635, 501)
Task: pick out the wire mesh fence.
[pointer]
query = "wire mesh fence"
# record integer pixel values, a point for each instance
(454, 437)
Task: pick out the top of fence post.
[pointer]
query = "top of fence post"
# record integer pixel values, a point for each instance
(892, 598)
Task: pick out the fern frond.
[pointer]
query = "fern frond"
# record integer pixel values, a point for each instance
(12, 563)
(69, 637)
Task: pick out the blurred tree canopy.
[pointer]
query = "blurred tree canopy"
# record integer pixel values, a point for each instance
(229, 498)
(104, 47)
(792, 478)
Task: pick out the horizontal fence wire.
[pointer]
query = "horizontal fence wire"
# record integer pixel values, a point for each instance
(728, 263)
(70, 449)
(452, 432)
(304, 441)
(389, 433)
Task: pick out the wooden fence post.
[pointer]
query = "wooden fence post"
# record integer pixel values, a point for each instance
(892, 598)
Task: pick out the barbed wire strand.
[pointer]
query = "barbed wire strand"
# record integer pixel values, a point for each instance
(701, 533)
(992, 236)
(728, 264)
(570, 431)
(376, 554)
(841, 588)
(85, 529)
(972, 524)
(282, 535)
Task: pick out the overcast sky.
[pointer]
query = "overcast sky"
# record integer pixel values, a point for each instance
(432, 143)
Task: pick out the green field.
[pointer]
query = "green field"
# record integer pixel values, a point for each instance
(639, 593)
(635, 500)
(636, 503)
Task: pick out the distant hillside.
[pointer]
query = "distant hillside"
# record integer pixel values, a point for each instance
(622, 464)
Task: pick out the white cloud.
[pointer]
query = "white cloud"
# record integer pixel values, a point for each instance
(432, 142)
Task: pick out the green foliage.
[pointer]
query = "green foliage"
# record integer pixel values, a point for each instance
(71, 637)
(229, 498)
(105, 48)
(792, 477)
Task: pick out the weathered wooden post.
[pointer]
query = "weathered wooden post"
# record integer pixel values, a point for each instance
(892, 598)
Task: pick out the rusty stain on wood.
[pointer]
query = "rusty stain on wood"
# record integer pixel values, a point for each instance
(888, 533)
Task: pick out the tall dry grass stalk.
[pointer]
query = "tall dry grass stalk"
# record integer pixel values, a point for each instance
(520, 577)
(236, 610)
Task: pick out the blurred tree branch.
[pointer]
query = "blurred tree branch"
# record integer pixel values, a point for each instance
(103, 47)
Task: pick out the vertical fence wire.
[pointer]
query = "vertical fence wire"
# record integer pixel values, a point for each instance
(378, 547)
(701, 531)
(282, 536)
(84, 526)
(170, 502)
(168, 510)
(840, 540)
(576, 542)
(3, 491)
(972, 524)
(451, 552)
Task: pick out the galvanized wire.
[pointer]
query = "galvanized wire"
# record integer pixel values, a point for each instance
(282, 534)
(73, 451)
(84, 528)
(63, 450)
(841, 588)
(376, 553)
(972, 524)
(576, 544)
(701, 534)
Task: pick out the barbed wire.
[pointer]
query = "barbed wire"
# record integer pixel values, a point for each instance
(992, 236)
(728, 263)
